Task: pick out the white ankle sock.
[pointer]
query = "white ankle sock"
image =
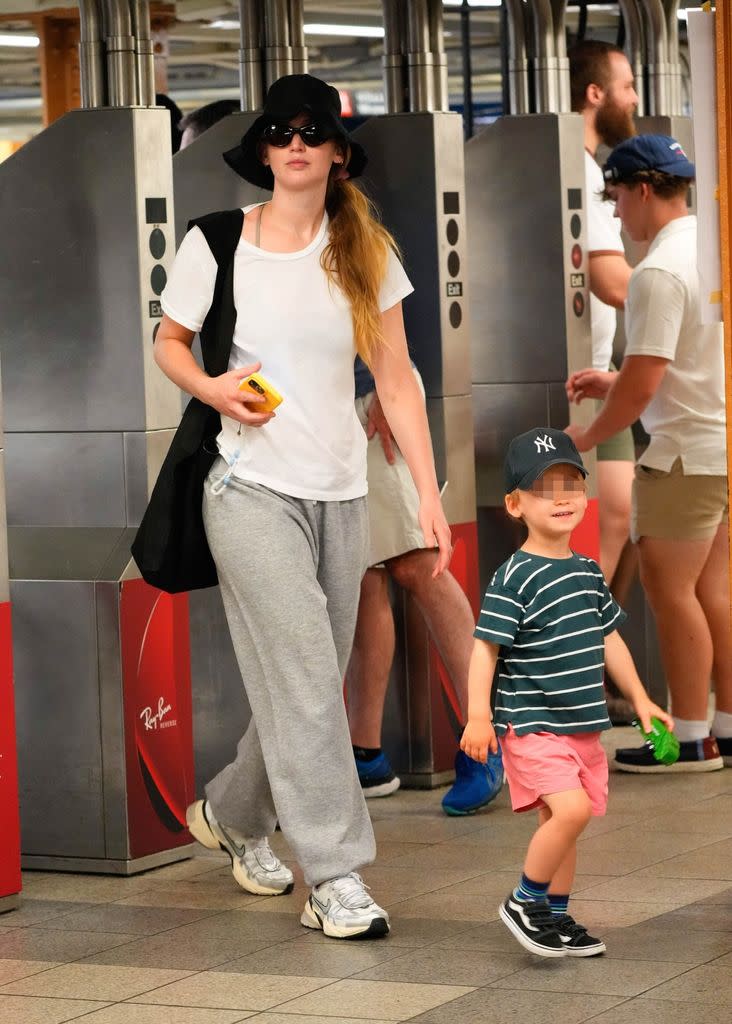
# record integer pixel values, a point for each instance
(686, 731)
(722, 725)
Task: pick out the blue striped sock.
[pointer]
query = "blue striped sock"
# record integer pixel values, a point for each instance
(558, 904)
(530, 892)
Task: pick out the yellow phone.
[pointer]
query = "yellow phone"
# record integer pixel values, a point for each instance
(261, 386)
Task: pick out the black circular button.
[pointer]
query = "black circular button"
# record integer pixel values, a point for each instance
(575, 225)
(158, 278)
(157, 243)
(453, 264)
(578, 303)
(452, 231)
(456, 314)
(156, 328)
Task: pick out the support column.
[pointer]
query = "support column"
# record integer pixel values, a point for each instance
(59, 59)
(724, 131)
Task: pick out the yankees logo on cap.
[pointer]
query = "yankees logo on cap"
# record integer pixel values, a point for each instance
(531, 454)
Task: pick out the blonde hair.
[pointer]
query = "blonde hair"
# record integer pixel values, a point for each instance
(356, 259)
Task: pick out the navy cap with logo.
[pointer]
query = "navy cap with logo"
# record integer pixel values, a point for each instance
(531, 454)
(648, 153)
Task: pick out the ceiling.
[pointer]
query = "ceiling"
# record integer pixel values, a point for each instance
(202, 63)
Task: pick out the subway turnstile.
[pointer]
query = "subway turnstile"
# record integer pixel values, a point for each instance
(101, 659)
(10, 882)
(424, 206)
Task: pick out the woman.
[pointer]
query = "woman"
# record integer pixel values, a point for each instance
(316, 280)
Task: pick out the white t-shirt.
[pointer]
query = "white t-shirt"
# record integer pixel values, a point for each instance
(686, 416)
(300, 328)
(603, 236)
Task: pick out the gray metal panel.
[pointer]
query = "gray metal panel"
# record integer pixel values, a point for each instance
(73, 354)
(65, 553)
(57, 700)
(4, 588)
(451, 427)
(518, 171)
(116, 837)
(501, 411)
(65, 479)
(203, 182)
(412, 203)
(220, 708)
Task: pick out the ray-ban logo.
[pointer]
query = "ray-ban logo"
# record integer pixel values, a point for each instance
(154, 719)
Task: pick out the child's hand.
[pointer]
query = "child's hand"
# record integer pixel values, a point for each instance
(646, 709)
(479, 737)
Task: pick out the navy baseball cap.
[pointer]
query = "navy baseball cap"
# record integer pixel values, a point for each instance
(531, 454)
(648, 153)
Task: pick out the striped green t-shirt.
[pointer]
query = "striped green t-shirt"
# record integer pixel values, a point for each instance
(550, 617)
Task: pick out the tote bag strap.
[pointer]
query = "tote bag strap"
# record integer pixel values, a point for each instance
(222, 232)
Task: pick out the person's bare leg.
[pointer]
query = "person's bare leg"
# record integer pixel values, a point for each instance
(563, 878)
(446, 611)
(614, 484)
(670, 572)
(713, 592)
(553, 842)
(367, 677)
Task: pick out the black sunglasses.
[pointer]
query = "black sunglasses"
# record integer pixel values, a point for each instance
(281, 135)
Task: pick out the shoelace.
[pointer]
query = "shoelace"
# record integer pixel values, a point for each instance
(263, 852)
(352, 891)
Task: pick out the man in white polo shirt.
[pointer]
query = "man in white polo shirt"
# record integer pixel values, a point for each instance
(673, 378)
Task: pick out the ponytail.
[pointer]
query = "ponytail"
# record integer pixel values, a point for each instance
(356, 259)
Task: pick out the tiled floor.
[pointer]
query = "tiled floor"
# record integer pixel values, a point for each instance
(182, 945)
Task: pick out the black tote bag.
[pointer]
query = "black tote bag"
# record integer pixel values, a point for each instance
(170, 547)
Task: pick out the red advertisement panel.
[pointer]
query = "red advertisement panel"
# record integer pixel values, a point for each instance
(9, 817)
(156, 672)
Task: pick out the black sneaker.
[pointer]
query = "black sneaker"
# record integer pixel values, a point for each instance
(725, 749)
(575, 938)
(534, 925)
(695, 756)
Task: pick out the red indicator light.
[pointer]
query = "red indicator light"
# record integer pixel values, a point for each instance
(576, 256)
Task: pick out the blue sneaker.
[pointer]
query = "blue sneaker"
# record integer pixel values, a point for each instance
(475, 784)
(376, 777)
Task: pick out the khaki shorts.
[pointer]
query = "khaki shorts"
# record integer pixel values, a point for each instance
(618, 448)
(672, 506)
(393, 500)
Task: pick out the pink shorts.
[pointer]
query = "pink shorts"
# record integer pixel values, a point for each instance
(544, 762)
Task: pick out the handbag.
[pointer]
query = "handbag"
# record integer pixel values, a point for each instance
(170, 547)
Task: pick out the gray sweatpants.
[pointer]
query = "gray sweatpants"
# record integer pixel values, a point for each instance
(290, 572)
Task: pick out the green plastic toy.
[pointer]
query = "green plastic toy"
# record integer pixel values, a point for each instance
(662, 741)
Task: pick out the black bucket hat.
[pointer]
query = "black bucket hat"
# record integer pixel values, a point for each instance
(287, 97)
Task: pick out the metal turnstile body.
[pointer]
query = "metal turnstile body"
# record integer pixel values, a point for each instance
(101, 659)
(416, 176)
(10, 881)
(531, 318)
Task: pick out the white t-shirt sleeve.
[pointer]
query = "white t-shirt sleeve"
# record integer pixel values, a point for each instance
(603, 227)
(188, 294)
(396, 285)
(656, 303)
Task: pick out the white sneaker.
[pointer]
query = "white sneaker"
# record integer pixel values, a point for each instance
(343, 909)
(253, 863)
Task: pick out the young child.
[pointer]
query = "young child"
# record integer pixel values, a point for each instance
(549, 623)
